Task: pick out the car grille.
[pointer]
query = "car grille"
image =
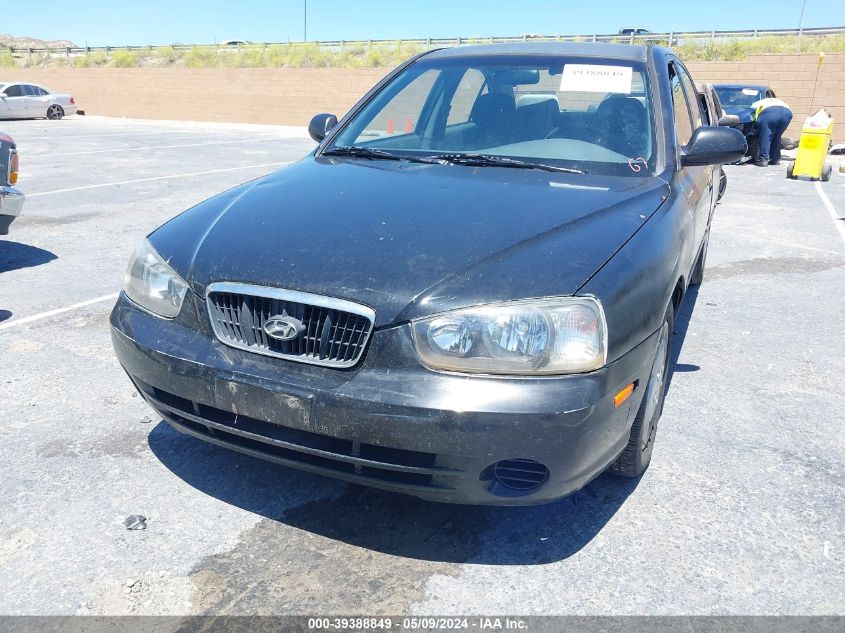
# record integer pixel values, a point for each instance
(334, 331)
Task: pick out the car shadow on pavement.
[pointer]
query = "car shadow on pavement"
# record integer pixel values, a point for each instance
(679, 330)
(14, 255)
(390, 523)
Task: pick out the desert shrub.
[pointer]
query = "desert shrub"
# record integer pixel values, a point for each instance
(738, 49)
(202, 57)
(35, 60)
(123, 59)
(93, 59)
(165, 56)
(6, 59)
(249, 57)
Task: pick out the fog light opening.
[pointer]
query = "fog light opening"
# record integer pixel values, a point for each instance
(522, 475)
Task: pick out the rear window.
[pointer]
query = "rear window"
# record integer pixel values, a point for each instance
(738, 96)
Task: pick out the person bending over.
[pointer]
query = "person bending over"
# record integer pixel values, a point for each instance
(773, 117)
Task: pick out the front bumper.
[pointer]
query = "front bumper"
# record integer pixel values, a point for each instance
(388, 423)
(11, 206)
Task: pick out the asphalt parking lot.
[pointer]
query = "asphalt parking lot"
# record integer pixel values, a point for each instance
(741, 512)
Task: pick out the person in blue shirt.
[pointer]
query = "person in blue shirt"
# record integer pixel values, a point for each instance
(773, 116)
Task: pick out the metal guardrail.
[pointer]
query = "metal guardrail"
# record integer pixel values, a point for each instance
(667, 39)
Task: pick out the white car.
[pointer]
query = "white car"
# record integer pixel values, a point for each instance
(30, 101)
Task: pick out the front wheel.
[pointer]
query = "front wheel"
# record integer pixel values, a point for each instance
(637, 454)
(55, 112)
(826, 171)
(723, 184)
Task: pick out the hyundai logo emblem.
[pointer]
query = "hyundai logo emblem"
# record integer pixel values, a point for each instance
(283, 328)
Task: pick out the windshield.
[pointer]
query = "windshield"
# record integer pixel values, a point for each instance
(584, 114)
(738, 96)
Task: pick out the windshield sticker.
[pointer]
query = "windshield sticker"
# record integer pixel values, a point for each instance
(596, 78)
(637, 164)
(751, 92)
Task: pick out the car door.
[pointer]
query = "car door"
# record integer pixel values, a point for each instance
(13, 101)
(38, 100)
(697, 181)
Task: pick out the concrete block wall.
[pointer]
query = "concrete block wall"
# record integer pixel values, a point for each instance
(290, 96)
(283, 96)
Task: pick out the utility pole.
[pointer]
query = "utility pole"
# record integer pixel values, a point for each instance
(801, 23)
(305, 20)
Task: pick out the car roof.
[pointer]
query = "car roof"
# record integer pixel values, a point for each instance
(755, 86)
(576, 49)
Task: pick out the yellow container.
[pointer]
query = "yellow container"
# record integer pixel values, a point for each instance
(812, 151)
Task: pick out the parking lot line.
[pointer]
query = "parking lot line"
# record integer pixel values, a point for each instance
(50, 313)
(63, 136)
(174, 176)
(149, 147)
(840, 225)
(803, 246)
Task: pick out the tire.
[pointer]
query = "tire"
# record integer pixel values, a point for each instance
(637, 454)
(697, 276)
(828, 169)
(723, 183)
(789, 169)
(55, 112)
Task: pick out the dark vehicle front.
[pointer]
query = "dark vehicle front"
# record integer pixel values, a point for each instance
(11, 199)
(415, 306)
(737, 100)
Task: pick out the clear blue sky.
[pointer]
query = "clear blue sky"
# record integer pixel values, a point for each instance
(112, 22)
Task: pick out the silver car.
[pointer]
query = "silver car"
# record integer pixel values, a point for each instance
(31, 101)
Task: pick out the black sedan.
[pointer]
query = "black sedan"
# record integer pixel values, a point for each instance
(465, 293)
(737, 100)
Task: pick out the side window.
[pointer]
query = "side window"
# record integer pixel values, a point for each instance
(465, 96)
(14, 91)
(702, 105)
(689, 88)
(397, 114)
(683, 123)
(30, 91)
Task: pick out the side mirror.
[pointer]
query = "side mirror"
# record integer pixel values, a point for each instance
(729, 120)
(321, 125)
(712, 145)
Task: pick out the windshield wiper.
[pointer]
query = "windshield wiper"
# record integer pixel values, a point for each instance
(491, 160)
(481, 160)
(372, 153)
(360, 152)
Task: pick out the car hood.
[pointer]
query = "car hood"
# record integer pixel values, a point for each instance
(410, 239)
(745, 113)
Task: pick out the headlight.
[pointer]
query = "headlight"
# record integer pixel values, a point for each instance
(561, 335)
(152, 284)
